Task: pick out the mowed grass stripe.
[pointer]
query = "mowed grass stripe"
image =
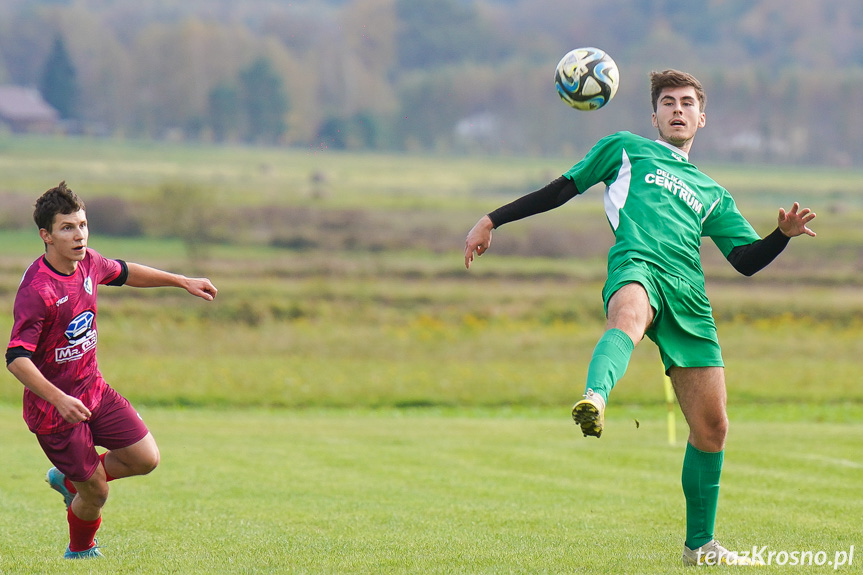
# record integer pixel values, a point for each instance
(423, 491)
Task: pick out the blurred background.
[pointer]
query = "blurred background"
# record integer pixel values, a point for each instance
(322, 161)
(784, 77)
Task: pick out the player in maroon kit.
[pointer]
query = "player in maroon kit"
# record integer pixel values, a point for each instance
(52, 351)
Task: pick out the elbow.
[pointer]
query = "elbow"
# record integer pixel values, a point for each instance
(10, 366)
(13, 365)
(741, 264)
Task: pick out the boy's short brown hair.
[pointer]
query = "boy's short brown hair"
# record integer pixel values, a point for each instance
(59, 200)
(675, 79)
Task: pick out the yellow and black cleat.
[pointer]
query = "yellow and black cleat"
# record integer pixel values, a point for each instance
(589, 413)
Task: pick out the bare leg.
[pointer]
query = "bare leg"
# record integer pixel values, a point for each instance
(702, 397)
(701, 393)
(138, 459)
(629, 310)
(629, 316)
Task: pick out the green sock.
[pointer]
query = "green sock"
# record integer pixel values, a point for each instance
(701, 471)
(609, 362)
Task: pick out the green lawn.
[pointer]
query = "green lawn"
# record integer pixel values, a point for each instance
(430, 491)
(354, 401)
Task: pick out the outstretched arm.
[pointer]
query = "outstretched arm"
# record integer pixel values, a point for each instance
(555, 194)
(478, 240)
(756, 256)
(793, 223)
(144, 276)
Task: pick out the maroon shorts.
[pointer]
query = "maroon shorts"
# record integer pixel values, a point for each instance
(113, 425)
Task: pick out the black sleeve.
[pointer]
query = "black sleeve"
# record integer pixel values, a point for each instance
(124, 275)
(551, 196)
(754, 257)
(14, 353)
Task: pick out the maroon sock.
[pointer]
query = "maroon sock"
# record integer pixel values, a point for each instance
(107, 475)
(81, 533)
(69, 485)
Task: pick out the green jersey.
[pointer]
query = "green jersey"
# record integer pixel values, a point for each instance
(660, 205)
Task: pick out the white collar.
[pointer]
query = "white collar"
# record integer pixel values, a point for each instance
(673, 149)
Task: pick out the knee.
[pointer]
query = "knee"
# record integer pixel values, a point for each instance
(720, 431)
(631, 321)
(148, 463)
(141, 462)
(95, 494)
(712, 434)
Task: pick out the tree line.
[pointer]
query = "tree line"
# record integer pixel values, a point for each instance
(784, 78)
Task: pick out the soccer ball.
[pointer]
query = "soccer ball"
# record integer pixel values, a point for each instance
(586, 78)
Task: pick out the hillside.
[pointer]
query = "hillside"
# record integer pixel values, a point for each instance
(783, 77)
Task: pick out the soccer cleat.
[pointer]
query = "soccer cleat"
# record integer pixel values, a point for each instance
(589, 413)
(712, 553)
(91, 553)
(57, 481)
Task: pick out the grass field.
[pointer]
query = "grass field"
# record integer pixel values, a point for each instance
(431, 491)
(356, 402)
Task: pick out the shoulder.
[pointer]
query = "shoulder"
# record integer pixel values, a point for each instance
(629, 137)
(94, 259)
(36, 276)
(625, 140)
(93, 255)
(36, 286)
(104, 270)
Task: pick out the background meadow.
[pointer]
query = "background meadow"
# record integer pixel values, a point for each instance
(356, 401)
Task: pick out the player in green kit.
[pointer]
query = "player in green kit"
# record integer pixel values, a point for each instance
(659, 206)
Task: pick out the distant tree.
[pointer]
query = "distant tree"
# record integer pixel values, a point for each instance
(224, 111)
(59, 81)
(361, 130)
(265, 102)
(439, 32)
(333, 133)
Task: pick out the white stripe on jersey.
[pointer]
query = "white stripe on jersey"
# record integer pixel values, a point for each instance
(616, 193)
(713, 205)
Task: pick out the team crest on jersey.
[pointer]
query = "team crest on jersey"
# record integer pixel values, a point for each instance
(88, 285)
(81, 336)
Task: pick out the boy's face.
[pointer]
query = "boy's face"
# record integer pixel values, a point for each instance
(66, 241)
(678, 116)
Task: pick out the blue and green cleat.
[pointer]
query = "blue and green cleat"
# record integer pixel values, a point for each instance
(57, 481)
(91, 553)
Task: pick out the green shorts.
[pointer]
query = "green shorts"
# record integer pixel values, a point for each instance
(683, 328)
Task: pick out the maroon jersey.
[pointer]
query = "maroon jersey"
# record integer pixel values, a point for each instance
(55, 320)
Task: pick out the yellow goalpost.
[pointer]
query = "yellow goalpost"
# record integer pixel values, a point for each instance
(669, 402)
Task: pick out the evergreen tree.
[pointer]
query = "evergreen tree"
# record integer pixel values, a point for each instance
(224, 111)
(59, 81)
(265, 102)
